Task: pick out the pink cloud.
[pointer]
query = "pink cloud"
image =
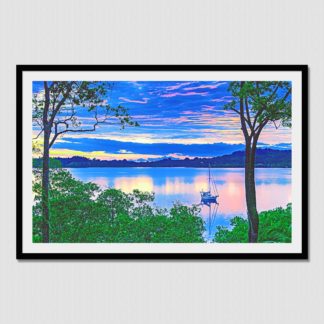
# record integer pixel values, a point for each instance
(177, 86)
(223, 99)
(143, 101)
(207, 108)
(206, 86)
(190, 112)
(175, 94)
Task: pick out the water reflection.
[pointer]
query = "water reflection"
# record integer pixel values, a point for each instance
(273, 187)
(128, 184)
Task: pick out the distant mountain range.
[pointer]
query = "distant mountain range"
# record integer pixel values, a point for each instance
(265, 158)
(162, 149)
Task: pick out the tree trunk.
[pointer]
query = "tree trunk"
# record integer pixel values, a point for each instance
(250, 193)
(45, 187)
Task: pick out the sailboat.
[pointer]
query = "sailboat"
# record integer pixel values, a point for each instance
(209, 197)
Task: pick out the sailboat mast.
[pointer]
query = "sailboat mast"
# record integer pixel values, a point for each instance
(209, 179)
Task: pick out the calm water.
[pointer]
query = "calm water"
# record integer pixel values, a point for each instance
(184, 184)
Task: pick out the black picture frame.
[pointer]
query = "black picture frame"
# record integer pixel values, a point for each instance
(159, 256)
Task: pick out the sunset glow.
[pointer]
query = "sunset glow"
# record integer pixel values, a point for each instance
(168, 112)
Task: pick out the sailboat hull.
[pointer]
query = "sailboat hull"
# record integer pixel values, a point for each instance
(207, 198)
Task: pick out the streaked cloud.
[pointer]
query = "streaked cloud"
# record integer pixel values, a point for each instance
(177, 86)
(184, 94)
(223, 99)
(143, 101)
(206, 86)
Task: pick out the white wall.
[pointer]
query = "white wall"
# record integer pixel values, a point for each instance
(143, 32)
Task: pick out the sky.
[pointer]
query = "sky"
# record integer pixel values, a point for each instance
(177, 119)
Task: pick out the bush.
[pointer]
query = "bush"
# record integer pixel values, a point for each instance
(274, 227)
(83, 213)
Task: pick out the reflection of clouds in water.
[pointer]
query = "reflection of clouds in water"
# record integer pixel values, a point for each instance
(275, 196)
(273, 186)
(128, 184)
(173, 186)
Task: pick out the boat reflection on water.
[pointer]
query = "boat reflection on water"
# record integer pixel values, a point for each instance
(211, 222)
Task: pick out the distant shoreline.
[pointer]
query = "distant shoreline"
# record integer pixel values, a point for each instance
(265, 158)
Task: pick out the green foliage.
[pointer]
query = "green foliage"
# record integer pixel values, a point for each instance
(53, 163)
(266, 101)
(274, 227)
(82, 212)
(238, 233)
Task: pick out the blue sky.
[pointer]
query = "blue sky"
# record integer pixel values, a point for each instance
(184, 116)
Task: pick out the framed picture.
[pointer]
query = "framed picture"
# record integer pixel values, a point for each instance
(162, 162)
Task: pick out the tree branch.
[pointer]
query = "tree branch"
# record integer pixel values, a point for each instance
(38, 134)
(46, 104)
(275, 125)
(248, 119)
(67, 130)
(242, 117)
(257, 116)
(257, 134)
(61, 102)
(261, 126)
(233, 109)
(274, 91)
(286, 95)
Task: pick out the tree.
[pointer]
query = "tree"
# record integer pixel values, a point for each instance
(57, 110)
(258, 104)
